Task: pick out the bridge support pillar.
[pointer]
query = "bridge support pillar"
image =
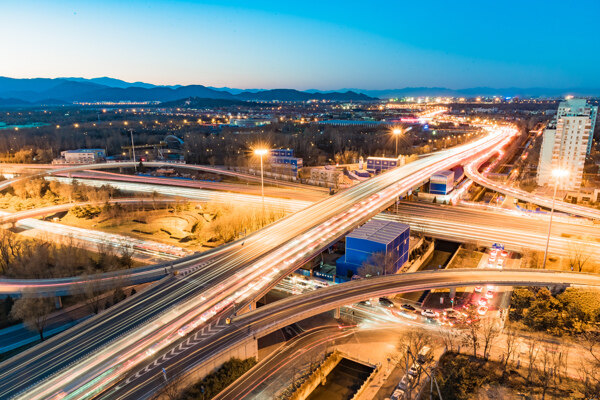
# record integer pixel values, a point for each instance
(58, 302)
(337, 313)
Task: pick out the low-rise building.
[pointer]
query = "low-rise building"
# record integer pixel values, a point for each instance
(81, 156)
(441, 182)
(376, 236)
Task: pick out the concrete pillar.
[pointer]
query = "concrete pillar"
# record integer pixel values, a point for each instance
(58, 302)
(337, 313)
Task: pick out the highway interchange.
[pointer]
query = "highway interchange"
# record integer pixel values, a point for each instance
(234, 276)
(95, 356)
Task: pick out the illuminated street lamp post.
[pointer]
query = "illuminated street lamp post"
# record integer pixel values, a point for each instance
(557, 174)
(397, 132)
(261, 153)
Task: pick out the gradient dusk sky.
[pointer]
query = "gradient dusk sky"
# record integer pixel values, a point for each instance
(308, 44)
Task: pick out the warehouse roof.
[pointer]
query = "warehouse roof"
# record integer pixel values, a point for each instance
(379, 231)
(446, 172)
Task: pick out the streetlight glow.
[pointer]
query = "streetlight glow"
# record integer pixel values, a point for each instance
(261, 152)
(559, 173)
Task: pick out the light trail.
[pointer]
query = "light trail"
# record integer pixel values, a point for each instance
(364, 201)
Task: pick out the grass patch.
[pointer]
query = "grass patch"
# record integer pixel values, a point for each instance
(466, 259)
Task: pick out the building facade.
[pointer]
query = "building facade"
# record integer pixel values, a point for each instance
(387, 237)
(441, 182)
(81, 156)
(376, 165)
(566, 142)
(285, 157)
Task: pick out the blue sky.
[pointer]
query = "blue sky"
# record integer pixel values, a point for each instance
(308, 44)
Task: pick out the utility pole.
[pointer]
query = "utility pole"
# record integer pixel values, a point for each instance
(133, 149)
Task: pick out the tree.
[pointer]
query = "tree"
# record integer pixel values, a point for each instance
(378, 264)
(510, 346)
(34, 313)
(578, 256)
(489, 332)
(472, 328)
(92, 293)
(590, 364)
(532, 354)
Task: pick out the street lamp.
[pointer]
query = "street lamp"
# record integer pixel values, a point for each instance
(557, 174)
(397, 132)
(261, 153)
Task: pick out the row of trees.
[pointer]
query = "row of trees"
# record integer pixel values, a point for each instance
(34, 312)
(36, 259)
(55, 192)
(570, 312)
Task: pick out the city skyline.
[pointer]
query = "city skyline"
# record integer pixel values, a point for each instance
(314, 46)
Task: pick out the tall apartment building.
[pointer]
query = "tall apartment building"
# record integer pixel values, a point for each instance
(578, 107)
(566, 142)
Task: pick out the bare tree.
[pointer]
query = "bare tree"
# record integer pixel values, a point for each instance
(472, 330)
(172, 389)
(510, 346)
(379, 263)
(34, 313)
(546, 366)
(532, 354)
(578, 256)
(489, 332)
(449, 337)
(590, 364)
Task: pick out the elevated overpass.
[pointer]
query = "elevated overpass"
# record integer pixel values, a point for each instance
(472, 172)
(147, 379)
(52, 170)
(101, 350)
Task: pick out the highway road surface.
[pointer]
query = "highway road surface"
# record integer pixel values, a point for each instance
(203, 195)
(145, 380)
(472, 171)
(516, 231)
(93, 356)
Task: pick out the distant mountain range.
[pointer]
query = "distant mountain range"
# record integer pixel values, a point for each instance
(69, 90)
(22, 92)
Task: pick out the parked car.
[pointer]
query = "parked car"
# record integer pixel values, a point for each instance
(482, 310)
(424, 355)
(482, 301)
(489, 294)
(478, 289)
(413, 370)
(385, 302)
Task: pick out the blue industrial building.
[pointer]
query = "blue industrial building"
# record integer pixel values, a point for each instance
(375, 236)
(285, 157)
(377, 164)
(441, 182)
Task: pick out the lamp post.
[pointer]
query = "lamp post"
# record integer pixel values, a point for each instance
(397, 132)
(261, 153)
(133, 149)
(557, 174)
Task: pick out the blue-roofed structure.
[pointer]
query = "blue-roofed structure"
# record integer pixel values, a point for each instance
(441, 182)
(376, 236)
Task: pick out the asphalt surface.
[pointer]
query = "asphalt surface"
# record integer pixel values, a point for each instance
(515, 230)
(76, 358)
(147, 378)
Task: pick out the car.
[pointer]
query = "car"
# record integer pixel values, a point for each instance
(489, 294)
(424, 355)
(450, 320)
(500, 262)
(491, 264)
(482, 301)
(404, 383)
(366, 303)
(478, 289)
(482, 310)
(429, 313)
(385, 302)
(413, 370)
(504, 253)
(408, 307)
(398, 394)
